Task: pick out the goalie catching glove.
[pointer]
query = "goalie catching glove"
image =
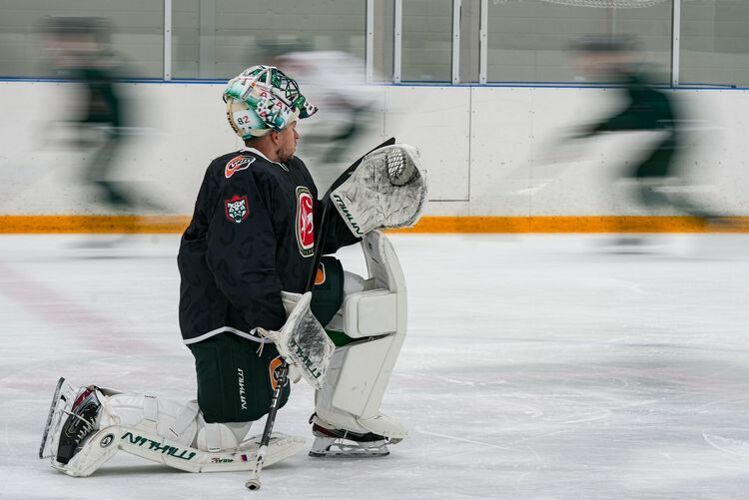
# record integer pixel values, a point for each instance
(302, 340)
(387, 190)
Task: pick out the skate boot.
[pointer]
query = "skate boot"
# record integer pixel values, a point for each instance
(82, 420)
(330, 442)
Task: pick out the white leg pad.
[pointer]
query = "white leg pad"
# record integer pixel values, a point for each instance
(191, 459)
(360, 371)
(355, 386)
(352, 283)
(167, 432)
(103, 444)
(176, 421)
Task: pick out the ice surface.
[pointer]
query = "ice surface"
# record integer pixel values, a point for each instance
(536, 367)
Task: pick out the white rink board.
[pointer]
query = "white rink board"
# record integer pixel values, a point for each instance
(500, 147)
(437, 121)
(521, 165)
(487, 149)
(180, 129)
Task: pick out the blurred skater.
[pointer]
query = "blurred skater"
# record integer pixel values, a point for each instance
(654, 175)
(80, 49)
(347, 123)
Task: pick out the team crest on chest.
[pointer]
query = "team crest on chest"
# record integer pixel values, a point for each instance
(305, 227)
(237, 208)
(236, 164)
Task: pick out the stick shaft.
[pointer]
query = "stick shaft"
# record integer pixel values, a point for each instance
(254, 481)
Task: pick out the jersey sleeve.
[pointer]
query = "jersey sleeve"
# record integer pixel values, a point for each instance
(241, 250)
(337, 233)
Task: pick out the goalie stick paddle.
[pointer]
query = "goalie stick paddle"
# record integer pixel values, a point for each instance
(253, 483)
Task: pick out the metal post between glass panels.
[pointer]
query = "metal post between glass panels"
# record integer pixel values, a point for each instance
(397, 39)
(675, 42)
(456, 42)
(369, 42)
(167, 40)
(483, 41)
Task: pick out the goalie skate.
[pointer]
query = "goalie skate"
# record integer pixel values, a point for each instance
(342, 443)
(76, 412)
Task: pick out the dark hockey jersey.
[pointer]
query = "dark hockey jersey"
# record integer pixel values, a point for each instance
(251, 236)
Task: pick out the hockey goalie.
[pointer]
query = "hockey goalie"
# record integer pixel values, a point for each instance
(244, 307)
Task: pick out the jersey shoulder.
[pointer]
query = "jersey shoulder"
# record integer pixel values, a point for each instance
(232, 165)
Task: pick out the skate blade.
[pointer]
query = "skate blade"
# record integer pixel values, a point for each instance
(339, 448)
(50, 416)
(346, 454)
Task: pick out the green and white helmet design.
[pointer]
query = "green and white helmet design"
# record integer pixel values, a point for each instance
(263, 98)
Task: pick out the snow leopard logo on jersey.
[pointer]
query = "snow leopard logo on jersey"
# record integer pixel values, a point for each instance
(237, 208)
(305, 226)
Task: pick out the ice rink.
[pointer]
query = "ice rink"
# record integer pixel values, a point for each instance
(536, 367)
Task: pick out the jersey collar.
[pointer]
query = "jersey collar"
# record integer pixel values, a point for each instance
(257, 152)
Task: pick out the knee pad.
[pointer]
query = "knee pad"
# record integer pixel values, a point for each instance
(374, 317)
(215, 437)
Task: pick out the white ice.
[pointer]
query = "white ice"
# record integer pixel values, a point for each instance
(536, 367)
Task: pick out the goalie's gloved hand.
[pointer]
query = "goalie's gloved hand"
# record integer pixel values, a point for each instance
(294, 374)
(303, 343)
(387, 190)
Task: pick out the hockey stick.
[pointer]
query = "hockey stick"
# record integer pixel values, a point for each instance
(253, 483)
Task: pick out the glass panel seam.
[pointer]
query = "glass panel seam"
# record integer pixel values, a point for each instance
(167, 40)
(369, 47)
(675, 42)
(483, 40)
(456, 42)
(397, 41)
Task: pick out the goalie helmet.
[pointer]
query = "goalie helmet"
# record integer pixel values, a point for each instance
(264, 98)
